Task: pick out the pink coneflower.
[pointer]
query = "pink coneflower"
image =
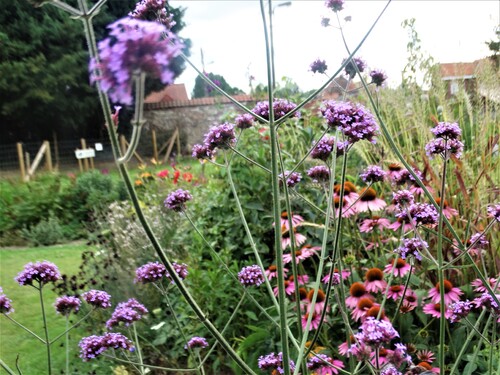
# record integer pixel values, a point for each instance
(374, 280)
(305, 252)
(289, 288)
(321, 364)
(411, 297)
(272, 272)
(434, 309)
(320, 301)
(369, 201)
(302, 279)
(356, 292)
(364, 304)
(374, 312)
(417, 190)
(425, 356)
(375, 222)
(296, 220)
(479, 286)
(383, 355)
(345, 274)
(427, 367)
(394, 169)
(316, 318)
(395, 292)
(403, 219)
(286, 240)
(448, 212)
(400, 269)
(344, 348)
(347, 209)
(451, 293)
(350, 194)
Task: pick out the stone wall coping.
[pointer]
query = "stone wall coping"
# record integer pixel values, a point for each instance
(197, 102)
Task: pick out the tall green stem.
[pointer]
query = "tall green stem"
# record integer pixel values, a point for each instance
(46, 330)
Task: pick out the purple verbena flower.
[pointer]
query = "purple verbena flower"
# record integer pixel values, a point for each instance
(273, 362)
(150, 272)
(479, 240)
(280, 106)
(66, 304)
(244, 121)
(180, 270)
(292, 179)
(412, 246)
(153, 10)
(390, 370)
(494, 212)
(325, 21)
(318, 66)
(319, 173)
(402, 198)
(196, 342)
(41, 272)
(324, 147)
(92, 346)
(487, 301)
(372, 174)
(335, 5)
(220, 136)
(459, 310)
(444, 148)
(133, 46)
(97, 298)
(126, 313)
(378, 77)
(202, 152)
(177, 200)
(447, 130)
(5, 304)
(354, 120)
(251, 275)
(423, 213)
(350, 68)
(321, 364)
(375, 332)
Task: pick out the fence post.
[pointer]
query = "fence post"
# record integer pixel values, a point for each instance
(85, 161)
(155, 149)
(48, 156)
(21, 160)
(123, 144)
(27, 161)
(56, 149)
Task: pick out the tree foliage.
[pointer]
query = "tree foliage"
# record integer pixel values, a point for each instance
(202, 89)
(44, 81)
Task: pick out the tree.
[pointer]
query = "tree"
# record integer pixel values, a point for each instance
(44, 79)
(203, 89)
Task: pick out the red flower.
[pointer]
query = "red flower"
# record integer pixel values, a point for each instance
(163, 174)
(187, 177)
(176, 176)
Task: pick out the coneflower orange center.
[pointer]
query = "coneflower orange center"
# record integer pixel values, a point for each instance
(336, 201)
(395, 167)
(396, 288)
(302, 293)
(284, 215)
(320, 298)
(357, 289)
(364, 303)
(273, 268)
(400, 263)
(425, 365)
(368, 195)
(448, 286)
(374, 311)
(374, 274)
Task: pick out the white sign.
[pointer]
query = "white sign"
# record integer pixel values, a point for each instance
(84, 154)
(98, 146)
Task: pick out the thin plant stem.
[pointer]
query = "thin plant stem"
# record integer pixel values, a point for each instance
(135, 364)
(407, 282)
(67, 344)
(46, 331)
(138, 349)
(25, 328)
(493, 344)
(71, 327)
(250, 160)
(6, 368)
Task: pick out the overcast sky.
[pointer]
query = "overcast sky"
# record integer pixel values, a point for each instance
(230, 33)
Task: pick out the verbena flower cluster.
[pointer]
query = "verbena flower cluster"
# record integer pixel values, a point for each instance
(459, 310)
(446, 142)
(318, 66)
(97, 298)
(324, 147)
(292, 179)
(133, 46)
(177, 200)
(150, 272)
(319, 173)
(153, 10)
(412, 246)
(280, 106)
(494, 212)
(378, 77)
(372, 174)
(251, 276)
(350, 68)
(221, 136)
(92, 346)
(126, 313)
(67, 304)
(273, 362)
(244, 121)
(196, 342)
(5, 304)
(423, 213)
(335, 5)
(353, 120)
(375, 332)
(180, 269)
(40, 272)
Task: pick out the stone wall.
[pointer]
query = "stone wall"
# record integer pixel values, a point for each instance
(193, 118)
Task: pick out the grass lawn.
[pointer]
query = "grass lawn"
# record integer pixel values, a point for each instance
(26, 303)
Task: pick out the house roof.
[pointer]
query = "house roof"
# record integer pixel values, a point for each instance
(459, 70)
(174, 92)
(196, 102)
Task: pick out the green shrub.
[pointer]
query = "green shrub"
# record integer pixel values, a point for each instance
(46, 232)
